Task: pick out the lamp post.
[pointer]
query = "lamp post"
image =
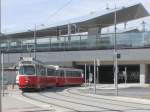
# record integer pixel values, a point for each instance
(35, 42)
(35, 37)
(115, 55)
(94, 76)
(85, 75)
(2, 74)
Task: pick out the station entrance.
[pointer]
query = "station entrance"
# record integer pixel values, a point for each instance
(126, 73)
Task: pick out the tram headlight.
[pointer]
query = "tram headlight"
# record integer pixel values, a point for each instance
(26, 79)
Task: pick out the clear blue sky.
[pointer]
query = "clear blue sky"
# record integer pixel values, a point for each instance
(18, 15)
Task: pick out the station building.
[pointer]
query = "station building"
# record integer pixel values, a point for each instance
(79, 41)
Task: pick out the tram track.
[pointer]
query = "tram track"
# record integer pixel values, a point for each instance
(74, 102)
(94, 100)
(98, 108)
(78, 94)
(35, 99)
(73, 98)
(102, 109)
(137, 108)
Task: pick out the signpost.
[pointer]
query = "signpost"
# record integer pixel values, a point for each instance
(2, 73)
(115, 55)
(35, 42)
(90, 75)
(85, 74)
(98, 64)
(94, 76)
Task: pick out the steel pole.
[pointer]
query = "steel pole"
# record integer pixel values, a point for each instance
(2, 73)
(85, 74)
(125, 75)
(89, 74)
(115, 55)
(97, 68)
(94, 76)
(35, 42)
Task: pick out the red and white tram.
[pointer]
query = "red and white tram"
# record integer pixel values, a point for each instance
(33, 74)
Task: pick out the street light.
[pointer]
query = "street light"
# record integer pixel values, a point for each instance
(94, 76)
(115, 55)
(35, 39)
(35, 42)
(85, 75)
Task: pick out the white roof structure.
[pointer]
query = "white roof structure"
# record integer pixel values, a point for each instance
(98, 19)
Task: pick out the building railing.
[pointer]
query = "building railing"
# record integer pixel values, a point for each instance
(79, 42)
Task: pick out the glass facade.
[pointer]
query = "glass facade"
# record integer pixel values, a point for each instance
(79, 42)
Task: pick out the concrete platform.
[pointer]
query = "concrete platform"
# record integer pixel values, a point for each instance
(11, 104)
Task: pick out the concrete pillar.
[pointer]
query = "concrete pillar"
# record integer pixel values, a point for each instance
(142, 73)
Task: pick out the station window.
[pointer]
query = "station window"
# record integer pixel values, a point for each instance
(57, 72)
(73, 73)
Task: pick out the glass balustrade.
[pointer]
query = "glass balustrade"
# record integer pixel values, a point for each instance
(80, 42)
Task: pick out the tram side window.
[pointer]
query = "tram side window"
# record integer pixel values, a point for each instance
(37, 70)
(73, 73)
(51, 72)
(78, 73)
(21, 70)
(57, 73)
(43, 71)
(68, 74)
(62, 73)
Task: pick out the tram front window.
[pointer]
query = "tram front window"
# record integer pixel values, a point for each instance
(27, 70)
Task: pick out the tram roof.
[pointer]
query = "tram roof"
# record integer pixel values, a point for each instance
(98, 19)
